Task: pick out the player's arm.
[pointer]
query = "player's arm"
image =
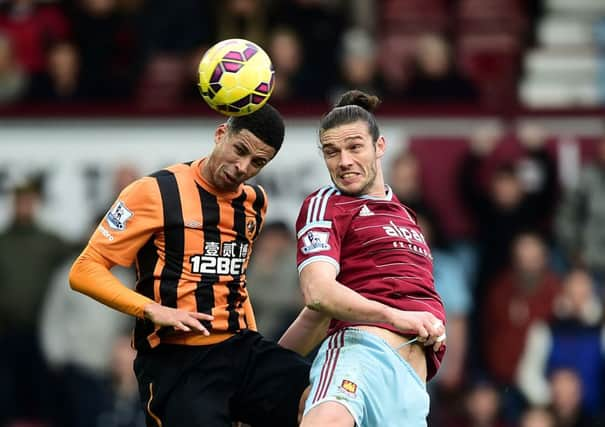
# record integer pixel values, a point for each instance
(91, 275)
(306, 332)
(324, 294)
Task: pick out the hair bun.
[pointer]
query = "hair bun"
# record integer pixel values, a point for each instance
(359, 98)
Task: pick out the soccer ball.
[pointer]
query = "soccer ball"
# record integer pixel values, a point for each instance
(236, 77)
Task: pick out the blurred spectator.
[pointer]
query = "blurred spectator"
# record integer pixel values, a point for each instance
(245, 19)
(13, 81)
(28, 257)
(574, 339)
(273, 275)
(435, 77)
(163, 83)
(77, 337)
(538, 172)
(481, 407)
(109, 51)
(537, 416)
(452, 284)
(515, 299)
(32, 27)
(567, 393)
(172, 41)
(507, 205)
(357, 64)
(286, 52)
(178, 28)
(319, 24)
(581, 218)
(123, 408)
(405, 180)
(61, 81)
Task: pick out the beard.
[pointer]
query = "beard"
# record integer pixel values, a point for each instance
(365, 188)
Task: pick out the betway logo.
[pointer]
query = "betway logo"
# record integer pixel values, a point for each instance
(396, 231)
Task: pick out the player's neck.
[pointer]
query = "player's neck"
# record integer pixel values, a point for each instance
(378, 188)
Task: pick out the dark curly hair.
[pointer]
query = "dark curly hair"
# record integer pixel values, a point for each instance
(266, 123)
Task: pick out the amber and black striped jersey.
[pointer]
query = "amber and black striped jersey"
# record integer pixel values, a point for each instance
(191, 244)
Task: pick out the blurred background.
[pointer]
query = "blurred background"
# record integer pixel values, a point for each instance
(494, 114)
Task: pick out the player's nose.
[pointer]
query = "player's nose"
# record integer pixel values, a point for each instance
(242, 165)
(345, 160)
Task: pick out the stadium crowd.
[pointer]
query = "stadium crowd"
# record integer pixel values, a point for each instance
(521, 268)
(146, 52)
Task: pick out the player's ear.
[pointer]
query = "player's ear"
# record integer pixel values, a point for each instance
(220, 132)
(381, 146)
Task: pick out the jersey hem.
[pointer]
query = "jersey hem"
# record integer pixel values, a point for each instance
(333, 399)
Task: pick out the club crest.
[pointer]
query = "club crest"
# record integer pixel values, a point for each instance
(250, 227)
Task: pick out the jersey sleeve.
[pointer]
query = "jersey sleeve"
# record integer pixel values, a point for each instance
(317, 231)
(130, 222)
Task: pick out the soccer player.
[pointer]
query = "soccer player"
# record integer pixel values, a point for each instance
(366, 268)
(189, 229)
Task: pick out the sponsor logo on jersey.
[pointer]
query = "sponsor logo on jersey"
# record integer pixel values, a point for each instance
(365, 211)
(348, 387)
(105, 233)
(221, 258)
(118, 216)
(315, 241)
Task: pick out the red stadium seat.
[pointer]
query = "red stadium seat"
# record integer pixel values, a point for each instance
(162, 84)
(396, 52)
(489, 15)
(492, 61)
(413, 15)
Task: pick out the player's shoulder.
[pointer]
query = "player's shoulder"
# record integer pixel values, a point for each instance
(257, 188)
(176, 169)
(256, 193)
(326, 193)
(319, 206)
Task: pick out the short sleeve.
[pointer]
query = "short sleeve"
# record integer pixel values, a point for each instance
(130, 222)
(317, 232)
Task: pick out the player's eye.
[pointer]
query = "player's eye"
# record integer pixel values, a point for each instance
(259, 163)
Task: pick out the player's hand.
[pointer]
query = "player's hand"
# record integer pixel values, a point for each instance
(430, 329)
(180, 320)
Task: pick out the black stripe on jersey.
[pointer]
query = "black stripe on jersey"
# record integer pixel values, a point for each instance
(174, 236)
(204, 292)
(239, 226)
(258, 206)
(147, 258)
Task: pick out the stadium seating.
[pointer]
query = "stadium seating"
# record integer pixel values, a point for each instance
(563, 69)
(491, 60)
(413, 15)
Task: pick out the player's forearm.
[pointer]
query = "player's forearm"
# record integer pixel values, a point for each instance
(339, 302)
(306, 332)
(90, 275)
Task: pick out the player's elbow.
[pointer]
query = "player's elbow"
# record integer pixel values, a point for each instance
(312, 296)
(75, 275)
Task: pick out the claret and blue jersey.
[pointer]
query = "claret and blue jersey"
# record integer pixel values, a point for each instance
(376, 247)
